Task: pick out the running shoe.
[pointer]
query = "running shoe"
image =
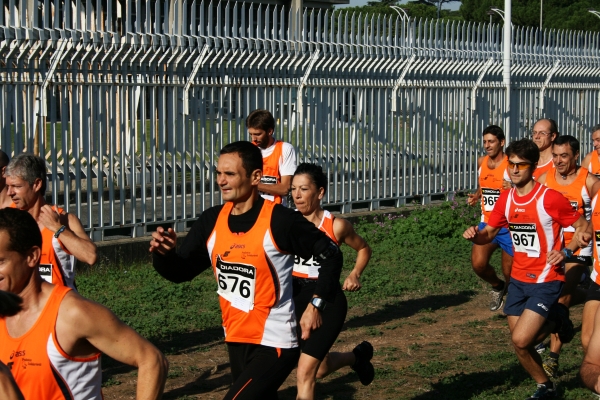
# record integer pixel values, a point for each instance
(566, 331)
(363, 367)
(550, 365)
(540, 347)
(497, 298)
(543, 392)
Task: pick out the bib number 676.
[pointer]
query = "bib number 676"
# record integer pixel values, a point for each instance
(232, 282)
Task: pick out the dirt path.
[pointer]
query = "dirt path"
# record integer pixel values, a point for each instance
(417, 343)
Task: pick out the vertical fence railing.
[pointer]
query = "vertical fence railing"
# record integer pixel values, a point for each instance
(130, 102)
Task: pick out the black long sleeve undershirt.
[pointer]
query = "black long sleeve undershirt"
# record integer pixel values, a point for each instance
(292, 234)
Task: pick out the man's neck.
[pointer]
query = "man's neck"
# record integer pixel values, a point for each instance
(35, 209)
(567, 178)
(497, 158)
(243, 206)
(545, 156)
(525, 189)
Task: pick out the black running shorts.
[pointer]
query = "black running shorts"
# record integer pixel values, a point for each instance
(593, 293)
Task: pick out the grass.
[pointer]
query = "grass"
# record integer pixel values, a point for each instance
(420, 268)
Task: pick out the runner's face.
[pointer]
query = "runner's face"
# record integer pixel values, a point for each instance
(15, 269)
(492, 145)
(307, 197)
(260, 137)
(564, 159)
(232, 178)
(520, 177)
(596, 141)
(21, 192)
(542, 136)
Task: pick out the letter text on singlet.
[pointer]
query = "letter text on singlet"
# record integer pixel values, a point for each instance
(489, 198)
(597, 233)
(309, 267)
(525, 238)
(237, 282)
(268, 180)
(46, 272)
(575, 206)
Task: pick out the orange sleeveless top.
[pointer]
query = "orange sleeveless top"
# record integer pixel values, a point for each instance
(271, 175)
(310, 268)
(40, 366)
(490, 182)
(594, 166)
(254, 282)
(539, 171)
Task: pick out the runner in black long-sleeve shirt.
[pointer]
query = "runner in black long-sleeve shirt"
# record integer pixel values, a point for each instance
(250, 244)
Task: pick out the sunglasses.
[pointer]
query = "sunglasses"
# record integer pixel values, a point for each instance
(521, 166)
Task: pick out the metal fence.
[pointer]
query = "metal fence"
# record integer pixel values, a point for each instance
(131, 104)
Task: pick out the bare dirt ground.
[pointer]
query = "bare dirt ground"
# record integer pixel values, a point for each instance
(406, 335)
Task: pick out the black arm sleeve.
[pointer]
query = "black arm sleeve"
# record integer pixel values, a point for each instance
(295, 234)
(192, 257)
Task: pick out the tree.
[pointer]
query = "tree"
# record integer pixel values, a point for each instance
(435, 3)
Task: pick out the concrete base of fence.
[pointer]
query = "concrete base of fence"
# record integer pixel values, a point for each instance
(123, 252)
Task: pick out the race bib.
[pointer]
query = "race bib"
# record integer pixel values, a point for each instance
(597, 233)
(575, 206)
(268, 180)
(46, 272)
(309, 267)
(525, 239)
(489, 198)
(237, 283)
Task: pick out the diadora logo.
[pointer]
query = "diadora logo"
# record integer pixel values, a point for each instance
(237, 246)
(543, 306)
(44, 269)
(519, 210)
(19, 353)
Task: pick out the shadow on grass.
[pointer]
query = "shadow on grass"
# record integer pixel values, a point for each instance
(203, 384)
(339, 388)
(407, 308)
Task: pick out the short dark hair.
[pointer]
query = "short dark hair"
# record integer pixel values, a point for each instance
(249, 153)
(28, 167)
(10, 304)
(22, 230)
(525, 149)
(496, 131)
(261, 119)
(568, 139)
(315, 173)
(4, 160)
(553, 125)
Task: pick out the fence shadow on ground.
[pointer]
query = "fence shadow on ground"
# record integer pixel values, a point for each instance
(407, 308)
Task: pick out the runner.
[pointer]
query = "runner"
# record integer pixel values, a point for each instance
(535, 216)
(64, 239)
(279, 158)
(309, 185)
(544, 133)
(578, 186)
(5, 200)
(493, 179)
(592, 159)
(592, 300)
(250, 243)
(53, 344)
(10, 304)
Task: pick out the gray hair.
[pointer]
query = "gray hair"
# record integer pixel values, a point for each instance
(595, 128)
(28, 167)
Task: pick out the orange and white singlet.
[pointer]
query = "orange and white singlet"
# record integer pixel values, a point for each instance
(254, 282)
(579, 197)
(535, 222)
(271, 174)
(490, 182)
(57, 265)
(40, 366)
(539, 171)
(594, 166)
(310, 268)
(595, 220)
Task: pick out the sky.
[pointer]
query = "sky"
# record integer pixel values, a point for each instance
(455, 5)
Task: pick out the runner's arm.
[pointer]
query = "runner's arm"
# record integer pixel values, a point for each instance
(587, 159)
(583, 233)
(280, 189)
(590, 368)
(593, 184)
(82, 321)
(8, 387)
(473, 198)
(73, 238)
(345, 233)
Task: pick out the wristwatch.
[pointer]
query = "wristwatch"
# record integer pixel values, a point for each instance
(568, 252)
(318, 303)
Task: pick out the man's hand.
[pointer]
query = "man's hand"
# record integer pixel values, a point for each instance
(471, 233)
(352, 283)
(555, 257)
(506, 184)
(583, 238)
(473, 199)
(163, 241)
(311, 320)
(49, 218)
